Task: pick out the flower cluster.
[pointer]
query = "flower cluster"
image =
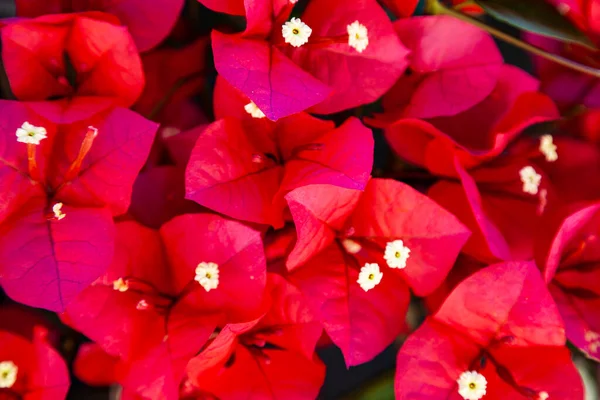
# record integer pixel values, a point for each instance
(205, 209)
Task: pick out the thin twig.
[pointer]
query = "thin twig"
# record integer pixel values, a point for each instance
(436, 8)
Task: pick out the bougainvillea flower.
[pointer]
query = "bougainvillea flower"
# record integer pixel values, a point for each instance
(342, 230)
(164, 295)
(568, 162)
(148, 23)
(59, 197)
(72, 55)
(245, 173)
(571, 267)
(502, 202)
(283, 76)
(270, 358)
(478, 134)
(496, 204)
(497, 336)
(445, 77)
(30, 368)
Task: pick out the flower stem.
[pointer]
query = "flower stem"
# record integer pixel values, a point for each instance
(434, 7)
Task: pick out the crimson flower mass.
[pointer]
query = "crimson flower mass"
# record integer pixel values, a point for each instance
(201, 199)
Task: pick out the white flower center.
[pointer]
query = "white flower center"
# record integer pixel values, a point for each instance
(531, 179)
(548, 148)
(563, 8)
(120, 285)
(396, 254)
(593, 339)
(471, 385)
(358, 36)
(8, 374)
(253, 110)
(57, 210)
(31, 134)
(296, 32)
(369, 276)
(351, 246)
(207, 275)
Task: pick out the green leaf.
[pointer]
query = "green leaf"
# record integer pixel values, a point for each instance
(536, 16)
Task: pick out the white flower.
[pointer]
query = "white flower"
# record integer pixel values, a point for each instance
(253, 110)
(8, 374)
(563, 8)
(57, 210)
(396, 254)
(369, 276)
(207, 275)
(548, 148)
(471, 385)
(543, 396)
(31, 134)
(296, 32)
(120, 285)
(358, 36)
(531, 179)
(351, 246)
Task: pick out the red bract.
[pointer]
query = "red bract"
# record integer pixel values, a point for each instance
(70, 55)
(173, 76)
(341, 230)
(151, 309)
(97, 368)
(148, 22)
(570, 267)
(244, 171)
(31, 368)
(500, 323)
(270, 358)
(446, 76)
(477, 134)
(256, 61)
(492, 202)
(59, 198)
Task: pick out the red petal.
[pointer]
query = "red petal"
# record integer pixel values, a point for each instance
(392, 210)
(360, 323)
(277, 86)
(376, 68)
(47, 263)
(110, 168)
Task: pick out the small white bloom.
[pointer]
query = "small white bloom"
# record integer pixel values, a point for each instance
(396, 254)
(563, 8)
(351, 246)
(531, 179)
(120, 285)
(471, 385)
(296, 32)
(252, 109)
(543, 396)
(358, 36)
(369, 276)
(8, 374)
(57, 210)
(548, 148)
(31, 134)
(207, 275)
